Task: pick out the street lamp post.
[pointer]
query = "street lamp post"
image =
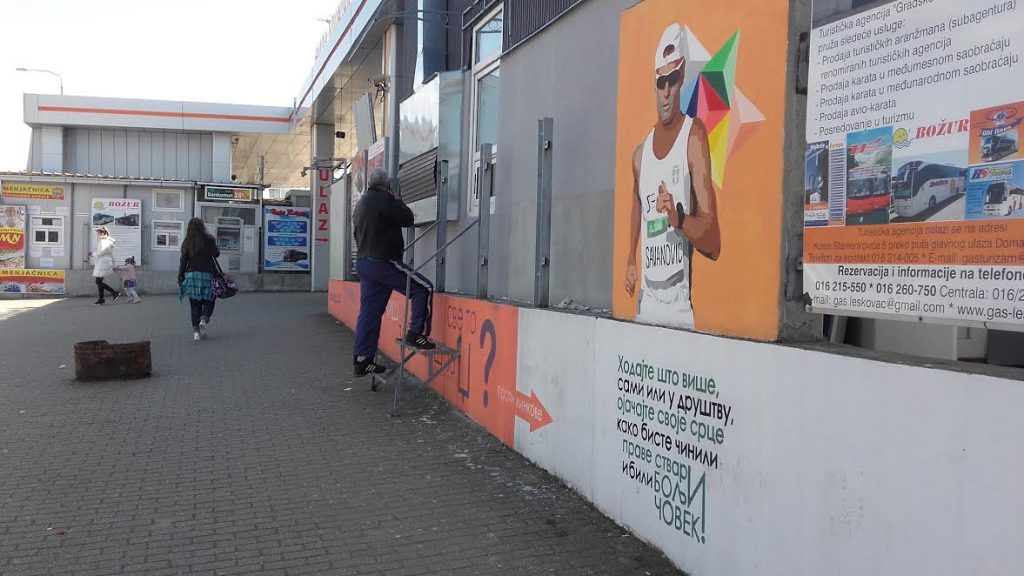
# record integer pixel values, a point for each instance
(59, 78)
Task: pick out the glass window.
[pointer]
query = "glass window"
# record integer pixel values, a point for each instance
(47, 231)
(826, 11)
(489, 39)
(488, 94)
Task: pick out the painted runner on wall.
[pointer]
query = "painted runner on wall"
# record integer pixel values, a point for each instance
(698, 188)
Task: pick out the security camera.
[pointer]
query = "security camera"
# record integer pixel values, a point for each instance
(303, 173)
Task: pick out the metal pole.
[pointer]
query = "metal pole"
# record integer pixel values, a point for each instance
(542, 261)
(442, 224)
(485, 175)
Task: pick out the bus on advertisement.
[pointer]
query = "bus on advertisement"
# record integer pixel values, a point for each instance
(868, 195)
(1002, 199)
(920, 186)
(997, 146)
(815, 176)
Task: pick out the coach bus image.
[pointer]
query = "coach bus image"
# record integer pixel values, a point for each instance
(920, 186)
(866, 196)
(996, 146)
(816, 177)
(1002, 199)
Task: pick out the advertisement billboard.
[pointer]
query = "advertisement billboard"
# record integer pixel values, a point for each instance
(21, 281)
(918, 106)
(123, 219)
(286, 239)
(698, 216)
(12, 236)
(22, 191)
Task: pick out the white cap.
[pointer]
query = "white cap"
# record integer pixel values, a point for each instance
(672, 46)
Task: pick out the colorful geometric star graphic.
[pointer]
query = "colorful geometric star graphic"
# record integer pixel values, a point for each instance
(710, 93)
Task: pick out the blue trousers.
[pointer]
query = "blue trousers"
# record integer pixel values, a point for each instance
(377, 279)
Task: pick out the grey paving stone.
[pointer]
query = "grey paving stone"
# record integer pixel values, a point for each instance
(255, 452)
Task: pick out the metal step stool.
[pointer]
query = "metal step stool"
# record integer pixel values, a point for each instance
(434, 368)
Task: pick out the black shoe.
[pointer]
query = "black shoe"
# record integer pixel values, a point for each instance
(116, 296)
(98, 303)
(419, 341)
(363, 367)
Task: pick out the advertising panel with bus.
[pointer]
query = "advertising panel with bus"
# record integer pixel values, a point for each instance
(920, 104)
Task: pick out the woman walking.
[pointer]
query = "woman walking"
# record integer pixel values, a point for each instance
(103, 264)
(195, 275)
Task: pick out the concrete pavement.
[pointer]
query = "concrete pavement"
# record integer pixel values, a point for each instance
(256, 452)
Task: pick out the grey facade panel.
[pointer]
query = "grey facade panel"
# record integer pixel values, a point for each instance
(146, 157)
(181, 156)
(169, 148)
(121, 153)
(95, 152)
(108, 153)
(134, 160)
(194, 157)
(206, 158)
(583, 157)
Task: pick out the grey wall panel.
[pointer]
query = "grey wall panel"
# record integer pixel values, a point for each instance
(95, 152)
(71, 151)
(583, 155)
(181, 157)
(195, 159)
(145, 154)
(133, 153)
(169, 147)
(107, 153)
(206, 153)
(121, 153)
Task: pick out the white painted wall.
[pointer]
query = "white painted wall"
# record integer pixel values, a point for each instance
(829, 465)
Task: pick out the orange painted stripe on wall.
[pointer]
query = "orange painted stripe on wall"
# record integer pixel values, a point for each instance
(159, 113)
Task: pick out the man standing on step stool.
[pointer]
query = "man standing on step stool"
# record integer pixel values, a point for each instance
(378, 219)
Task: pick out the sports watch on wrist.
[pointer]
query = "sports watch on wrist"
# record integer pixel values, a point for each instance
(681, 213)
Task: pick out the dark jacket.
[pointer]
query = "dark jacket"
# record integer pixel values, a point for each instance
(203, 261)
(378, 220)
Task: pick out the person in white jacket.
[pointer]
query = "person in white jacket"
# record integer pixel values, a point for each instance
(103, 264)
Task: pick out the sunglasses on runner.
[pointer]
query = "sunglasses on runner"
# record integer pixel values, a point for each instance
(670, 79)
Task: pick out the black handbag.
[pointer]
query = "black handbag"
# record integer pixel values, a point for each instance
(223, 285)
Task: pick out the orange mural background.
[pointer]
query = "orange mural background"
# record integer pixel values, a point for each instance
(482, 382)
(739, 293)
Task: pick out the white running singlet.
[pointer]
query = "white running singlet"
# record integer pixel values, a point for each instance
(665, 257)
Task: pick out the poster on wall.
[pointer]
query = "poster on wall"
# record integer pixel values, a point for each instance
(698, 166)
(12, 236)
(21, 281)
(286, 239)
(913, 123)
(24, 191)
(123, 219)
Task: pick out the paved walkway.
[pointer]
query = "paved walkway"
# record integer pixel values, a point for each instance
(255, 453)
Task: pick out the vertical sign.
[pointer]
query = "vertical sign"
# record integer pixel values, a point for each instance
(12, 236)
(286, 239)
(323, 204)
(914, 179)
(123, 219)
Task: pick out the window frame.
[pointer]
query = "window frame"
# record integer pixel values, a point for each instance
(479, 71)
(58, 228)
(181, 200)
(155, 232)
